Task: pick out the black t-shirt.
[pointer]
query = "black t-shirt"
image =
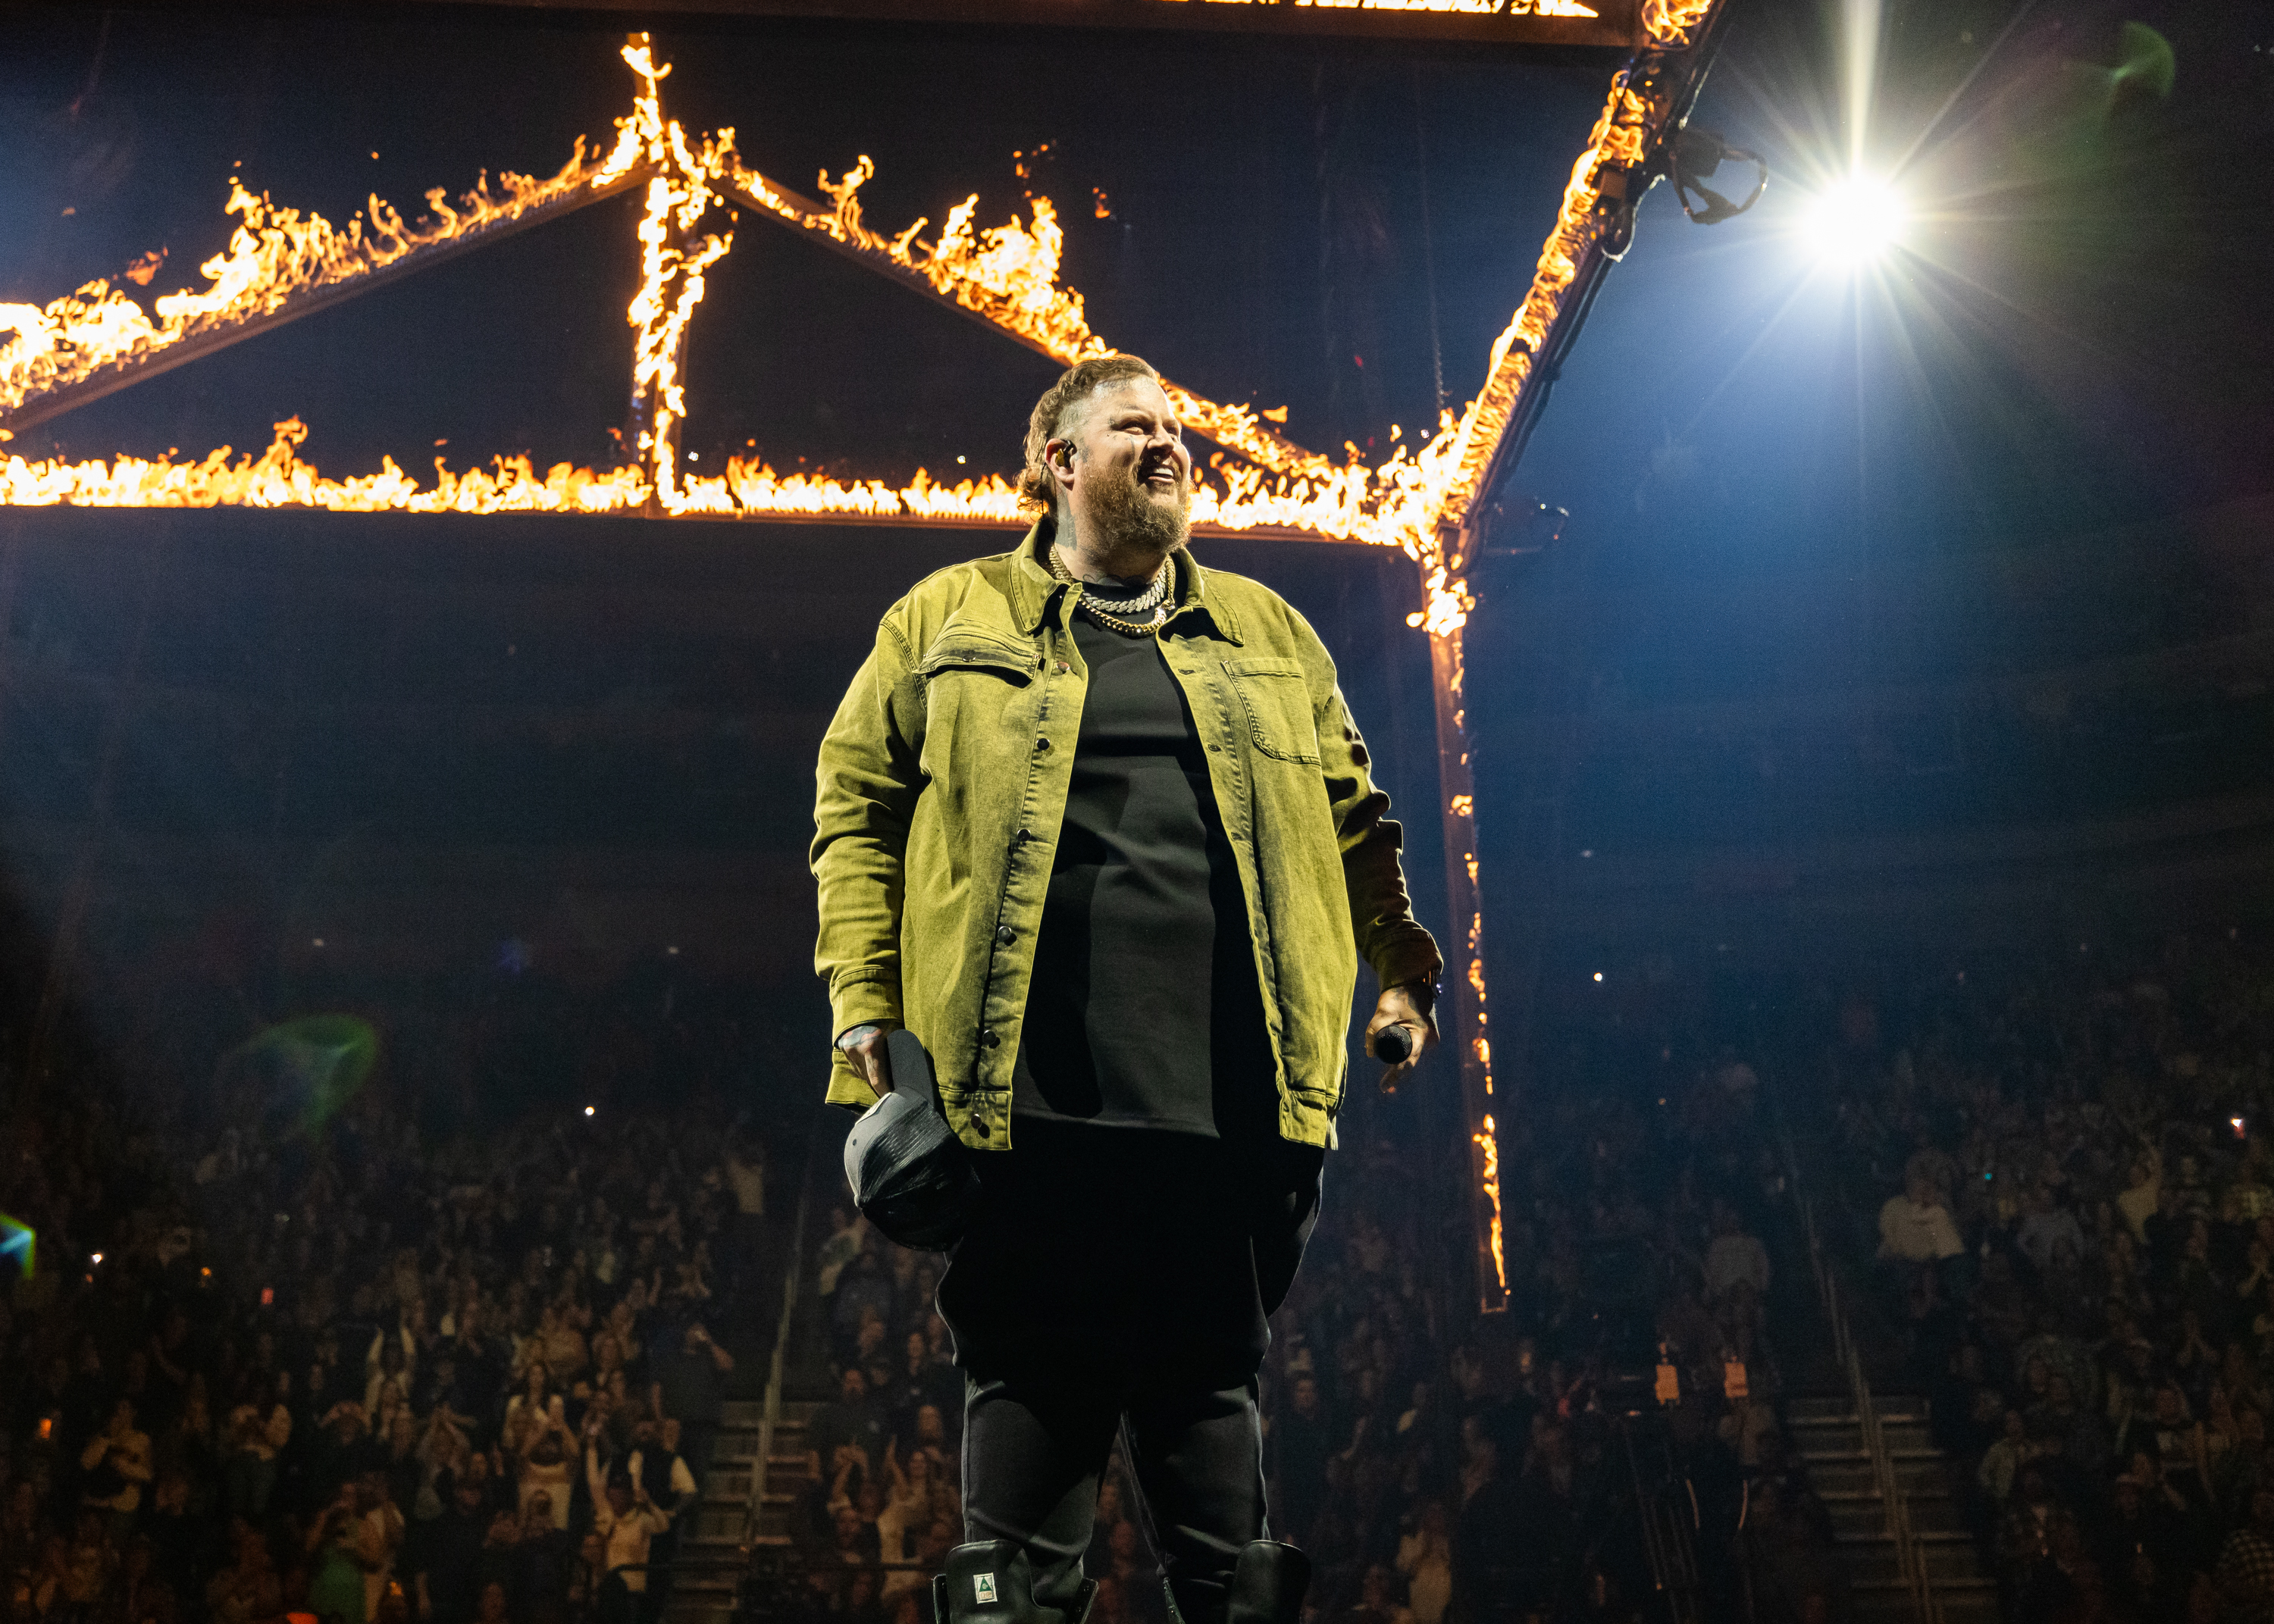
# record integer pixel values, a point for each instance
(1143, 1012)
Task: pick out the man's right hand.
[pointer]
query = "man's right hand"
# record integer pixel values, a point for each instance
(866, 1045)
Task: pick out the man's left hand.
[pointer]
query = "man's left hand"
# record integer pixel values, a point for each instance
(1403, 1006)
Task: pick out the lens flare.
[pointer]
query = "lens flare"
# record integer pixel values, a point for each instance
(1856, 221)
(320, 1061)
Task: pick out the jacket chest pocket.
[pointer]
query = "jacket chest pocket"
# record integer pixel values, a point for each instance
(1277, 704)
(972, 681)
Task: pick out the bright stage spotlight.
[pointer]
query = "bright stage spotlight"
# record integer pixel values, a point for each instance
(1856, 221)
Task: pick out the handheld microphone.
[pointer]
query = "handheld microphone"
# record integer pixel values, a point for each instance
(1393, 1046)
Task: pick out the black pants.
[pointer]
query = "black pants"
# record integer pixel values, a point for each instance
(1120, 1281)
(1032, 1454)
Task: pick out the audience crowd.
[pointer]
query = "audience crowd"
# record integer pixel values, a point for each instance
(2076, 1255)
(279, 1353)
(2054, 1172)
(276, 1357)
(1439, 1467)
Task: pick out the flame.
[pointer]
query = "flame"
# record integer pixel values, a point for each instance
(1669, 22)
(1615, 139)
(1427, 498)
(1449, 471)
(1008, 274)
(673, 261)
(1486, 1140)
(274, 255)
(279, 479)
(749, 488)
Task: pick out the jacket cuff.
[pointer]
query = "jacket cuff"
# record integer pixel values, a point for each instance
(861, 998)
(1412, 955)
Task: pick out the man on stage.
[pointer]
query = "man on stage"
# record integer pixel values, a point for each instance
(1095, 824)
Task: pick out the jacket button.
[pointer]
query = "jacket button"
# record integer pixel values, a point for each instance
(987, 1038)
(1006, 935)
(1042, 744)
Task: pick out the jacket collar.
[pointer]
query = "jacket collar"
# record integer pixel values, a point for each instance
(1036, 594)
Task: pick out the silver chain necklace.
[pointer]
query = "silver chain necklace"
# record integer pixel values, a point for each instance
(1137, 617)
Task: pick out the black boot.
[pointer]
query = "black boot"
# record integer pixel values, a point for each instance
(1267, 1587)
(991, 1581)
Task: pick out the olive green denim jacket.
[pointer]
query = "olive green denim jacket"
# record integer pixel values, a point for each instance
(942, 784)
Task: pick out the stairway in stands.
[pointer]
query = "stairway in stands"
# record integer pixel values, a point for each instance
(710, 1559)
(788, 1472)
(718, 1551)
(725, 1542)
(1826, 1435)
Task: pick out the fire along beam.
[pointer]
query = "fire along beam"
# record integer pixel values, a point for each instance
(307, 301)
(1651, 96)
(1237, 431)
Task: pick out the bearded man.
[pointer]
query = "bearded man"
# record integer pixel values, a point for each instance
(1095, 824)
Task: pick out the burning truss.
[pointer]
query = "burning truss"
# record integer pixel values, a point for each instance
(279, 265)
(1423, 500)
(282, 264)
